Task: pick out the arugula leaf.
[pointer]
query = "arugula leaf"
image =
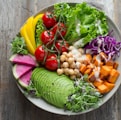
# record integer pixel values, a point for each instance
(18, 45)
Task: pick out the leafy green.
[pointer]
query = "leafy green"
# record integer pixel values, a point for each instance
(62, 10)
(83, 22)
(18, 45)
(38, 30)
(84, 98)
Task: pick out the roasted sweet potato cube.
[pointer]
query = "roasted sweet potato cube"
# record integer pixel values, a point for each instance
(89, 57)
(98, 63)
(97, 83)
(114, 74)
(110, 63)
(88, 71)
(103, 88)
(115, 65)
(105, 71)
(83, 68)
(109, 85)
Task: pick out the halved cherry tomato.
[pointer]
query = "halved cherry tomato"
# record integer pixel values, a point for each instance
(49, 20)
(60, 29)
(51, 62)
(40, 53)
(47, 37)
(62, 46)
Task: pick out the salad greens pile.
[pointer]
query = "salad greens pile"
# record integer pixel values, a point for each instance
(85, 96)
(84, 23)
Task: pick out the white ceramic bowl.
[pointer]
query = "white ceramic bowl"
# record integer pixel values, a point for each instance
(50, 108)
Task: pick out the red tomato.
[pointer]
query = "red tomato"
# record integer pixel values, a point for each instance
(47, 37)
(51, 62)
(62, 46)
(40, 53)
(49, 20)
(60, 29)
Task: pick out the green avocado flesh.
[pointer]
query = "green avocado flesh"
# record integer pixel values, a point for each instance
(53, 88)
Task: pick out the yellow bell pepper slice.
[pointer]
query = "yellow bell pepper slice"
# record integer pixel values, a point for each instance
(36, 18)
(29, 45)
(30, 31)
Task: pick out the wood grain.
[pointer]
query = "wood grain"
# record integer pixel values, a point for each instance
(13, 104)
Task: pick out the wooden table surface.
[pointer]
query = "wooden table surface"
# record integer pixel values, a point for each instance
(13, 104)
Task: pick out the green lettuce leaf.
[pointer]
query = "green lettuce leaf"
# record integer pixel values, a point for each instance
(83, 22)
(38, 30)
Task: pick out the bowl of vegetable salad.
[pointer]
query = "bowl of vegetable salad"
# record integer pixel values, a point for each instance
(66, 58)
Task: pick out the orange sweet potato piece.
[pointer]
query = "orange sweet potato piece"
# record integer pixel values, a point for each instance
(102, 88)
(109, 85)
(105, 70)
(83, 68)
(89, 57)
(110, 63)
(98, 63)
(94, 58)
(114, 74)
(115, 65)
(88, 71)
(97, 83)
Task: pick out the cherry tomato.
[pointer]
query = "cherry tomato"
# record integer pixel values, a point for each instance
(51, 62)
(47, 37)
(62, 46)
(40, 53)
(49, 20)
(60, 29)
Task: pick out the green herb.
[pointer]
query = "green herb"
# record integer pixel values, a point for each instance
(38, 30)
(62, 10)
(31, 90)
(85, 96)
(84, 23)
(18, 45)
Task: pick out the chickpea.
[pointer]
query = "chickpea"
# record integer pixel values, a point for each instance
(73, 65)
(72, 76)
(66, 71)
(81, 50)
(65, 64)
(60, 71)
(69, 54)
(76, 71)
(78, 64)
(79, 59)
(70, 60)
(62, 58)
(71, 48)
(64, 53)
(71, 72)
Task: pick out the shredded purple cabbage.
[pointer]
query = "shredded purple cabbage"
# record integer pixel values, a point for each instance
(107, 44)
